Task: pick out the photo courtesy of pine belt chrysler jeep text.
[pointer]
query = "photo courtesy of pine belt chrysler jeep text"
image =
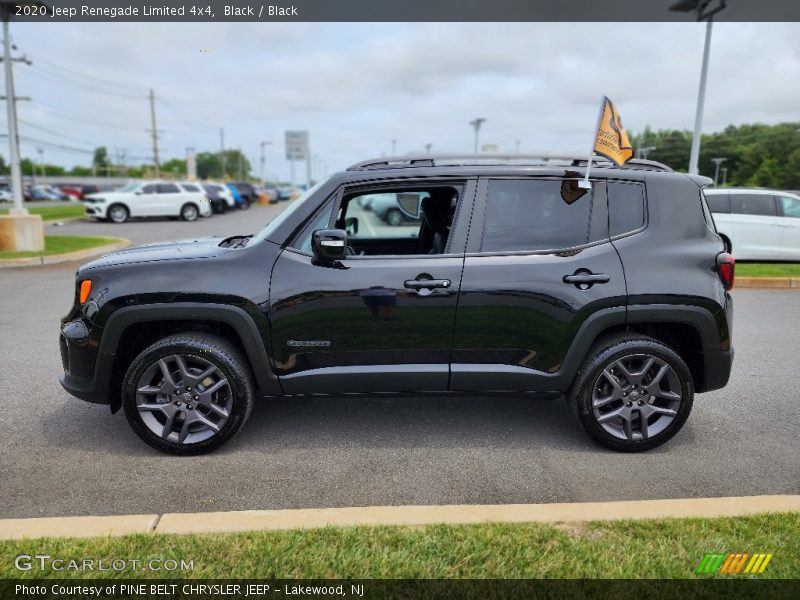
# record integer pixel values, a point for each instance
(503, 277)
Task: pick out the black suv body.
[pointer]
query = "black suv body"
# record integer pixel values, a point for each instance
(515, 280)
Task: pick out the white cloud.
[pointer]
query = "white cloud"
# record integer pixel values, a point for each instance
(357, 86)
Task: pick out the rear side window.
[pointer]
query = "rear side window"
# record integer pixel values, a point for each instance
(190, 187)
(719, 203)
(168, 188)
(535, 215)
(625, 207)
(753, 204)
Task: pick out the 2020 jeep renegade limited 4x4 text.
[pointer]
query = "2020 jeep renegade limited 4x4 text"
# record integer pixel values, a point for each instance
(502, 278)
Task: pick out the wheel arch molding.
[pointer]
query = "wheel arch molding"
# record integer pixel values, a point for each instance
(239, 320)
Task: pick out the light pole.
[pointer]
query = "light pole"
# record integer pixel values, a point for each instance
(717, 162)
(704, 13)
(263, 162)
(516, 151)
(394, 147)
(476, 123)
(724, 175)
(428, 148)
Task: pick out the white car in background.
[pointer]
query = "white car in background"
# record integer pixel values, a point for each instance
(757, 224)
(149, 199)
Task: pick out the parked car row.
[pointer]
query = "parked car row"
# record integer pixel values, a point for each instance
(187, 200)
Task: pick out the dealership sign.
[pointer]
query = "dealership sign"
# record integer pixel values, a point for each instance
(296, 145)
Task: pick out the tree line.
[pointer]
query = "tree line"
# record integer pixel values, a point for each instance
(755, 155)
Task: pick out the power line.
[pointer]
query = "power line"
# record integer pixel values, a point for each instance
(80, 74)
(38, 72)
(88, 121)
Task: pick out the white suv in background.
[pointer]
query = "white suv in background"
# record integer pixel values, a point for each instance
(757, 224)
(149, 199)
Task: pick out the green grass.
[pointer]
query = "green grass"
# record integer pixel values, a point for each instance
(53, 213)
(666, 548)
(57, 244)
(768, 270)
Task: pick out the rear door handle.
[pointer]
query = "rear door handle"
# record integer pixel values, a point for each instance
(418, 284)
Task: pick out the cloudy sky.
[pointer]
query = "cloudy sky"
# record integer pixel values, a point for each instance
(356, 87)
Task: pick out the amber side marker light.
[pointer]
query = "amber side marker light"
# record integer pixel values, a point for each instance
(86, 289)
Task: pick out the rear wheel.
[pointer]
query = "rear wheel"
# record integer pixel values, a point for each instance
(245, 203)
(188, 393)
(189, 212)
(633, 393)
(117, 213)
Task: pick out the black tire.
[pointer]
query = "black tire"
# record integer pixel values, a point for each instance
(210, 349)
(620, 348)
(245, 204)
(117, 213)
(394, 217)
(189, 212)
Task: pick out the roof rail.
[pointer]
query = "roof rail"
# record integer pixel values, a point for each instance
(437, 160)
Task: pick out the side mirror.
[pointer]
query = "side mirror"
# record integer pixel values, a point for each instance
(351, 225)
(329, 245)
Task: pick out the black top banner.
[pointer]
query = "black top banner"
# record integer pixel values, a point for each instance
(405, 10)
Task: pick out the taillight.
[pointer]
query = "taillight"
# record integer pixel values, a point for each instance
(726, 267)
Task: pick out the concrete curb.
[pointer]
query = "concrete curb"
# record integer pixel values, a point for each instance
(53, 259)
(270, 520)
(768, 282)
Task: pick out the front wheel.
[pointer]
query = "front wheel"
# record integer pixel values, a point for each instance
(188, 393)
(394, 217)
(117, 213)
(633, 393)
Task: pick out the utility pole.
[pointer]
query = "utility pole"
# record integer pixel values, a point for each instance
(717, 162)
(154, 132)
(13, 133)
(263, 162)
(428, 148)
(517, 149)
(394, 147)
(476, 123)
(40, 152)
(222, 150)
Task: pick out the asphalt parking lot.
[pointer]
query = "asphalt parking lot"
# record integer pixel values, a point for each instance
(61, 456)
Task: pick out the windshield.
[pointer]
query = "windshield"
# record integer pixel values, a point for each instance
(277, 221)
(129, 187)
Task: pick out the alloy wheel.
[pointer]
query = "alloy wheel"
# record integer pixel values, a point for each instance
(184, 399)
(636, 397)
(117, 214)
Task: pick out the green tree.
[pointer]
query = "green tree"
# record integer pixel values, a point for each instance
(100, 159)
(174, 167)
(208, 165)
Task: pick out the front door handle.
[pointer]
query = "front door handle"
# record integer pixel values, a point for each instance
(418, 284)
(583, 279)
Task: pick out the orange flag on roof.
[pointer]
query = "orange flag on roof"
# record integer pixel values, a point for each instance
(612, 140)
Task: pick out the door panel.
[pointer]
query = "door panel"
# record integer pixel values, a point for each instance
(517, 315)
(358, 328)
(517, 318)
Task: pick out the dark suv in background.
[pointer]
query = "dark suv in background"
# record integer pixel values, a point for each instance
(512, 279)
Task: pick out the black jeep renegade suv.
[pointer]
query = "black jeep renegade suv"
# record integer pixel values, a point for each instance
(507, 277)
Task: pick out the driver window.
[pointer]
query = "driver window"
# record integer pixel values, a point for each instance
(398, 222)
